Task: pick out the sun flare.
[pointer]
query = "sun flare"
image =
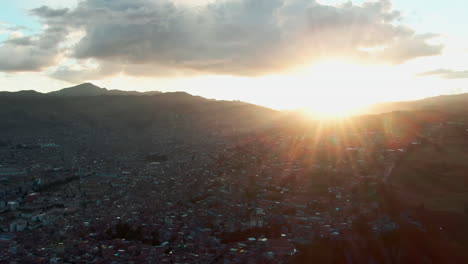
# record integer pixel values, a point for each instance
(339, 88)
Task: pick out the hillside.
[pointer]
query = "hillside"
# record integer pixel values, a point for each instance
(89, 116)
(434, 175)
(447, 103)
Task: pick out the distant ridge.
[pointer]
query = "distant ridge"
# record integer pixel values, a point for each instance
(442, 103)
(25, 93)
(89, 89)
(445, 103)
(85, 89)
(87, 109)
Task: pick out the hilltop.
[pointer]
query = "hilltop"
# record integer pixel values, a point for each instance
(89, 89)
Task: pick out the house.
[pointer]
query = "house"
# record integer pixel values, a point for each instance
(281, 246)
(256, 221)
(13, 205)
(49, 217)
(168, 220)
(18, 225)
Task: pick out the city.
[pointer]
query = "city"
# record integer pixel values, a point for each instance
(233, 132)
(261, 196)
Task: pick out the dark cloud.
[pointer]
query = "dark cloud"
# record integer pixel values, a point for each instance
(446, 74)
(31, 53)
(47, 12)
(8, 27)
(20, 41)
(239, 37)
(85, 73)
(35, 52)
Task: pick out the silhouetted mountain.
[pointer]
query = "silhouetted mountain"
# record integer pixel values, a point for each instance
(85, 89)
(89, 89)
(129, 120)
(82, 90)
(446, 103)
(26, 93)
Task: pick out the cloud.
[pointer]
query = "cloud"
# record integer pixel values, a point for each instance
(235, 37)
(446, 74)
(31, 53)
(48, 12)
(10, 27)
(410, 47)
(85, 71)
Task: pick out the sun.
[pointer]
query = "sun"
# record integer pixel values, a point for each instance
(329, 110)
(339, 88)
(328, 89)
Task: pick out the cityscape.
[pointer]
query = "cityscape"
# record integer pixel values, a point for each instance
(233, 132)
(269, 193)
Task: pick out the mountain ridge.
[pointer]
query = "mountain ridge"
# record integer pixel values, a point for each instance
(445, 103)
(89, 89)
(450, 103)
(81, 90)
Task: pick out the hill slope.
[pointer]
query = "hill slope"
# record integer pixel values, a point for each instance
(435, 175)
(447, 103)
(127, 120)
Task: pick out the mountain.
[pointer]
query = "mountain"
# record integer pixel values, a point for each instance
(85, 89)
(89, 115)
(435, 174)
(89, 89)
(445, 103)
(26, 93)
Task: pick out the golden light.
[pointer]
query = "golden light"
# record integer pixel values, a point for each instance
(330, 89)
(341, 87)
(330, 110)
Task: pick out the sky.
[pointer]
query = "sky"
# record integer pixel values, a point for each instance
(323, 55)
